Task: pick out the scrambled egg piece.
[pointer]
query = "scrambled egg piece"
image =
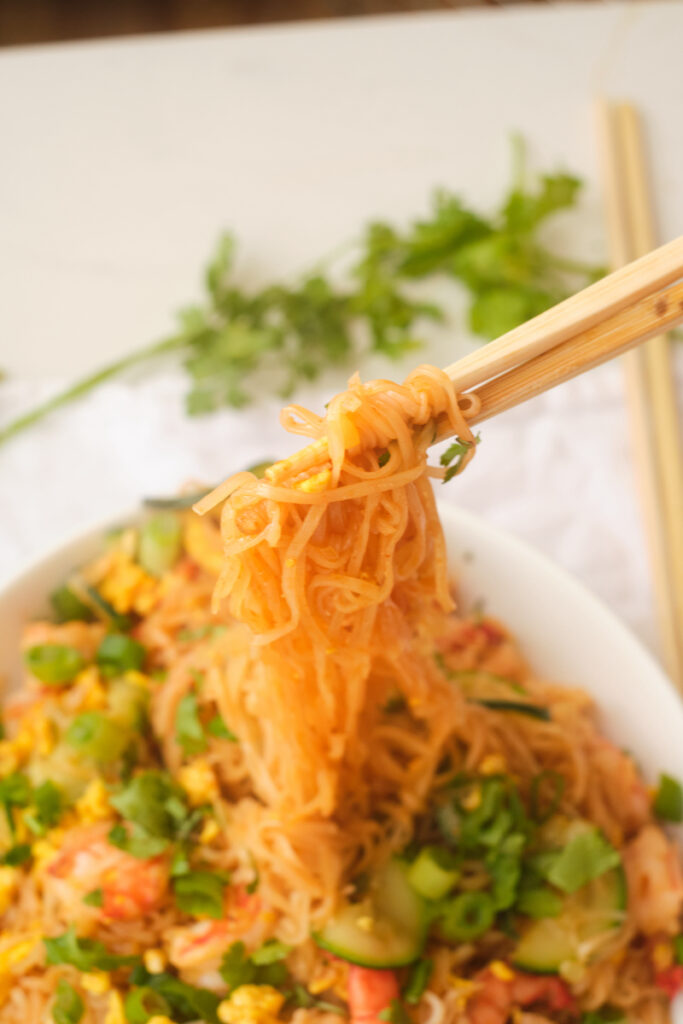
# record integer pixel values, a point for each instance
(96, 982)
(198, 781)
(202, 541)
(94, 804)
(9, 880)
(94, 693)
(154, 960)
(9, 957)
(115, 1014)
(127, 587)
(251, 1004)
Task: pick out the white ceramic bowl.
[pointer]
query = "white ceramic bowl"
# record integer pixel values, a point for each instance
(566, 633)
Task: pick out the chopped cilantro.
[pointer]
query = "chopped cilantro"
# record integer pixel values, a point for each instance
(188, 727)
(302, 997)
(185, 1002)
(200, 893)
(585, 857)
(68, 1007)
(217, 727)
(16, 855)
(265, 966)
(304, 327)
(84, 954)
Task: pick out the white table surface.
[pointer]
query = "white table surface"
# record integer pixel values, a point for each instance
(120, 162)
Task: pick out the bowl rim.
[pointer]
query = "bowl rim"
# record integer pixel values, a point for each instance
(449, 515)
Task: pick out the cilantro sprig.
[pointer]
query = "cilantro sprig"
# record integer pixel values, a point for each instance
(241, 339)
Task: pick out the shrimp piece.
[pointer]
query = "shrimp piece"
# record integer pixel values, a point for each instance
(627, 794)
(84, 636)
(499, 995)
(131, 887)
(203, 943)
(369, 992)
(655, 883)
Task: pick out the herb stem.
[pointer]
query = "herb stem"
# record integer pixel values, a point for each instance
(89, 383)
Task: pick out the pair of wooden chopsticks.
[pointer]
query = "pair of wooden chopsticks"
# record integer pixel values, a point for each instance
(649, 378)
(623, 309)
(629, 306)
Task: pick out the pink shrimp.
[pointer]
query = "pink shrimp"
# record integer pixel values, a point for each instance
(131, 887)
(370, 991)
(495, 1000)
(203, 943)
(628, 795)
(655, 883)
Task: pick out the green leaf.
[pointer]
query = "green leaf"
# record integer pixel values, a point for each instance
(68, 1007)
(48, 801)
(302, 997)
(188, 727)
(153, 801)
(84, 954)
(200, 893)
(265, 966)
(524, 210)
(495, 311)
(587, 856)
(143, 1003)
(217, 727)
(186, 1002)
(236, 968)
(270, 952)
(95, 898)
(16, 855)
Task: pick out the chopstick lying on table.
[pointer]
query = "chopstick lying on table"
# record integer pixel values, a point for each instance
(649, 380)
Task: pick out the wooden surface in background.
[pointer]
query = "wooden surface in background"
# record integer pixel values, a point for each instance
(42, 21)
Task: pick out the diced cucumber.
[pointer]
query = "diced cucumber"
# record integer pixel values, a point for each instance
(596, 909)
(386, 929)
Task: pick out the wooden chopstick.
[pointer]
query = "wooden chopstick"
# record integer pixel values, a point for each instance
(585, 350)
(618, 312)
(649, 381)
(567, 319)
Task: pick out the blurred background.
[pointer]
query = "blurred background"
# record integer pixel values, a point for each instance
(43, 21)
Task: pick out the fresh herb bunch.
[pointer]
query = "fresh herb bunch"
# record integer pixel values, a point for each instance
(293, 332)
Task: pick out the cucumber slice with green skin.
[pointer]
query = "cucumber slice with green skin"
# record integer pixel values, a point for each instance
(386, 929)
(593, 911)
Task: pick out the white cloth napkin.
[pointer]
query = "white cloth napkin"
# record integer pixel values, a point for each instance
(556, 472)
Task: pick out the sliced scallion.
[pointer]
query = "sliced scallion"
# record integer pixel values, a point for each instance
(434, 872)
(160, 543)
(54, 664)
(668, 801)
(467, 917)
